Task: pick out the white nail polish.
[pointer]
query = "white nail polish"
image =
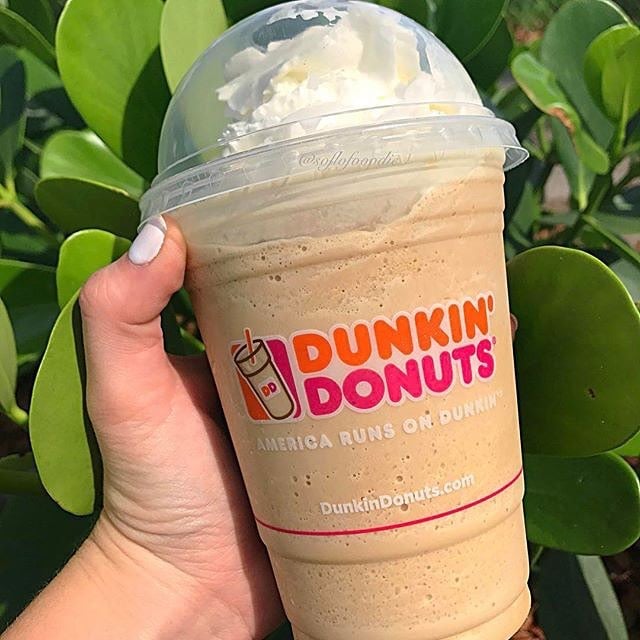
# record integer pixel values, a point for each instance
(148, 242)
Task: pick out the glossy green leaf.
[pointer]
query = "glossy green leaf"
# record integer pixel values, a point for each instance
(37, 13)
(542, 88)
(627, 202)
(8, 361)
(422, 11)
(14, 29)
(40, 77)
(526, 214)
(513, 104)
(591, 153)
(579, 176)
(601, 50)
(621, 82)
(110, 64)
(577, 352)
(576, 600)
(29, 292)
(188, 27)
(569, 507)
(36, 540)
(82, 254)
(236, 11)
(61, 436)
(621, 223)
(13, 100)
(631, 448)
(75, 204)
(18, 476)
(466, 26)
(17, 242)
(564, 45)
(81, 154)
(490, 62)
(629, 274)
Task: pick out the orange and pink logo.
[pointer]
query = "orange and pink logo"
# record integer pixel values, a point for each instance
(364, 365)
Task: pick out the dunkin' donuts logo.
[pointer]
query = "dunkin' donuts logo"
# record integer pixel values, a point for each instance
(362, 366)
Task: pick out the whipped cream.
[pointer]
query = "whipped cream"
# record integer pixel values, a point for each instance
(344, 61)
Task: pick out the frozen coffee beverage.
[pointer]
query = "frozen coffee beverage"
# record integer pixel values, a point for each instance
(340, 188)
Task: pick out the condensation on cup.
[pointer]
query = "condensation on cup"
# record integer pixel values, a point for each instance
(340, 187)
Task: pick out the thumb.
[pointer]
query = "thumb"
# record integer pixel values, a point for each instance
(128, 371)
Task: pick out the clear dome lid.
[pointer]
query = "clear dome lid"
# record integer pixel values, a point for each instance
(302, 73)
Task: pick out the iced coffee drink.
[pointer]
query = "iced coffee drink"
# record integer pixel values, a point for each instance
(346, 267)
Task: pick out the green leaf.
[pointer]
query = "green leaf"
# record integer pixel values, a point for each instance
(466, 26)
(621, 223)
(237, 10)
(37, 13)
(82, 254)
(75, 204)
(419, 10)
(576, 600)
(61, 437)
(629, 274)
(604, 48)
(591, 153)
(490, 62)
(569, 507)
(542, 88)
(14, 29)
(36, 540)
(577, 351)
(20, 242)
(13, 102)
(81, 154)
(8, 361)
(40, 77)
(29, 292)
(188, 27)
(579, 176)
(110, 64)
(18, 476)
(621, 82)
(526, 214)
(631, 448)
(564, 45)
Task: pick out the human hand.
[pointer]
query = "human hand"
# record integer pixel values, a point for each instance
(174, 502)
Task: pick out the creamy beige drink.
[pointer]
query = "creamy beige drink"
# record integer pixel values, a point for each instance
(339, 186)
(390, 501)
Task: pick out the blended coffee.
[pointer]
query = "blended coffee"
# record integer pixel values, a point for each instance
(349, 283)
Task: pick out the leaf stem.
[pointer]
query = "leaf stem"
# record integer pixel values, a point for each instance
(625, 251)
(10, 200)
(600, 190)
(536, 555)
(18, 416)
(27, 216)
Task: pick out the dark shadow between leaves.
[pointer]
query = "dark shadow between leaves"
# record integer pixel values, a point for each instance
(143, 118)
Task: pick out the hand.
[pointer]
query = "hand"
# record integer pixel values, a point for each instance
(174, 502)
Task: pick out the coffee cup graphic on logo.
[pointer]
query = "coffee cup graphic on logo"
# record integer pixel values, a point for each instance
(257, 367)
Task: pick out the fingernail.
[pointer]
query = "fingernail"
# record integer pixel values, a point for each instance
(148, 242)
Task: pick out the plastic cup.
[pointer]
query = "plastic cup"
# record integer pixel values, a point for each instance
(347, 273)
